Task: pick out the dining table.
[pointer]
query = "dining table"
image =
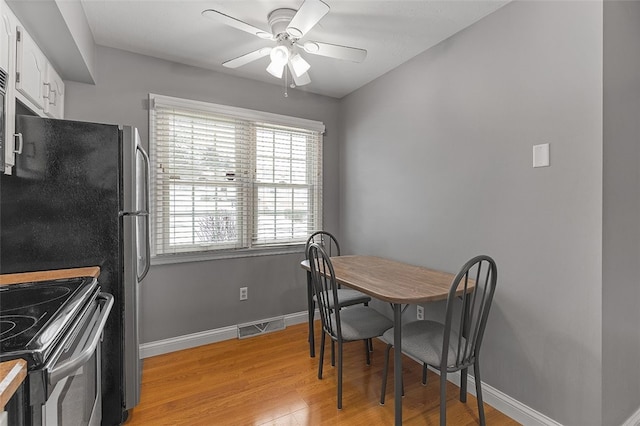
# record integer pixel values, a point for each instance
(399, 284)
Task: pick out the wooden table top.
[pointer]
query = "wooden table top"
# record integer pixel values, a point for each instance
(27, 277)
(391, 281)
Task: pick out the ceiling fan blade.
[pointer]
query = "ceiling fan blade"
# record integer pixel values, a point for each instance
(236, 23)
(346, 53)
(249, 57)
(302, 80)
(309, 14)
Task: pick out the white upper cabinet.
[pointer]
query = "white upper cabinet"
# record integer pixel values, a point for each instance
(8, 64)
(36, 79)
(5, 38)
(31, 79)
(30, 69)
(53, 93)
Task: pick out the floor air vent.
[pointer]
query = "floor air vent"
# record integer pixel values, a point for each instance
(261, 327)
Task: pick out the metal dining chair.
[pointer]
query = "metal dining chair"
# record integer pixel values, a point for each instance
(347, 297)
(341, 324)
(455, 344)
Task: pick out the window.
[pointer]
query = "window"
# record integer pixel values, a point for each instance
(228, 178)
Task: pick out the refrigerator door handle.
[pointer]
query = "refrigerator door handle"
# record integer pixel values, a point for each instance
(145, 212)
(134, 213)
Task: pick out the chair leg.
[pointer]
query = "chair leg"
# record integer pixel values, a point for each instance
(312, 308)
(385, 373)
(424, 374)
(443, 398)
(322, 339)
(476, 374)
(370, 348)
(312, 338)
(339, 374)
(333, 353)
(463, 384)
(366, 351)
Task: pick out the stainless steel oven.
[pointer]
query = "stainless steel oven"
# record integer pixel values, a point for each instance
(62, 349)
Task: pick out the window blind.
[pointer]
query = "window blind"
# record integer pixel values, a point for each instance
(226, 178)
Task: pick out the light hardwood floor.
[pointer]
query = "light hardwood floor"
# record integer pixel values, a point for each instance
(271, 380)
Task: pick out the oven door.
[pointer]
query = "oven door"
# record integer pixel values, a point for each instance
(73, 373)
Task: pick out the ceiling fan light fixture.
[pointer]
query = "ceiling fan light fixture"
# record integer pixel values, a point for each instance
(311, 47)
(280, 55)
(299, 65)
(276, 69)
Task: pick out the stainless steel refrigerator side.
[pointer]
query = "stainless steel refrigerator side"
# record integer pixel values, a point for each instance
(133, 211)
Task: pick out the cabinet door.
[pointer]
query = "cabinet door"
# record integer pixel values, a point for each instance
(8, 64)
(53, 94)
(30, 69)
(5, 38)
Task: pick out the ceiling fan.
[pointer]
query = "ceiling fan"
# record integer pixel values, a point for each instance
(288, 27)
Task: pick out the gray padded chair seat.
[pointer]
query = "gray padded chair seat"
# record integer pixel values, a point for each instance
(423, 340)
(361, 322)
(347, 297)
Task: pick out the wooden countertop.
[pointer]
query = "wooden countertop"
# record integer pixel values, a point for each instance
(12, 373)
(27, 277)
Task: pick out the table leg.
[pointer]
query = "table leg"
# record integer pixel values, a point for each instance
(397, 360)
(310, 308)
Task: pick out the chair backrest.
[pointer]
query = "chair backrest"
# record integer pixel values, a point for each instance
(470, 319)
(326, 240)
(323, 279)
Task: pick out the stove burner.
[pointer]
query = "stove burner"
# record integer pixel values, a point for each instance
(13, 325)
(29, 297)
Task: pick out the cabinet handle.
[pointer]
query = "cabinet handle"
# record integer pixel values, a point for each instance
(46, 90)
(20, 143)
(55, 98)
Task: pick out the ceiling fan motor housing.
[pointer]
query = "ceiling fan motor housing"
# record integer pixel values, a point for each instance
(279, 21)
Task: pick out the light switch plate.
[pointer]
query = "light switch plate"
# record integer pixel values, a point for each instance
(4, 419)
(541, 155)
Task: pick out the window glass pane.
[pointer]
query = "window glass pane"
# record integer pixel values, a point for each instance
(215, 172)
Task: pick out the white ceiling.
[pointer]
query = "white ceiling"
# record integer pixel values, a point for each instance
(391, 31)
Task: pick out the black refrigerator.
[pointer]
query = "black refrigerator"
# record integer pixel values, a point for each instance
(79, 196)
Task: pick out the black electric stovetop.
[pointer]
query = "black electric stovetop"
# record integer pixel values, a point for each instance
(33, 316)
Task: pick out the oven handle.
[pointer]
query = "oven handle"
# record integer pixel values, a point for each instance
(67, 367)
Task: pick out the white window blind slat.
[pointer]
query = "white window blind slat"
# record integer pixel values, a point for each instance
(224, 180)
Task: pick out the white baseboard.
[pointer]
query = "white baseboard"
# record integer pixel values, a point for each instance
(188, 341)
(492, 396)
(504, 403)
(634, 420)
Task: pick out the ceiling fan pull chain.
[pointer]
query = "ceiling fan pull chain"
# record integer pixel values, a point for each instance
(286, 77)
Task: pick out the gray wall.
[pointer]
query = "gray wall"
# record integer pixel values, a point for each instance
(187, 298)
(621, 212)
(436, 166)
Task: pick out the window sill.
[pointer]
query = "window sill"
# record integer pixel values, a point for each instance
(225, 254)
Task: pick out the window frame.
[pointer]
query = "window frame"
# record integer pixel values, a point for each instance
(256, 119)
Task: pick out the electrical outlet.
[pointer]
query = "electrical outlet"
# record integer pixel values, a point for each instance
(420, 312)
(244, 293)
